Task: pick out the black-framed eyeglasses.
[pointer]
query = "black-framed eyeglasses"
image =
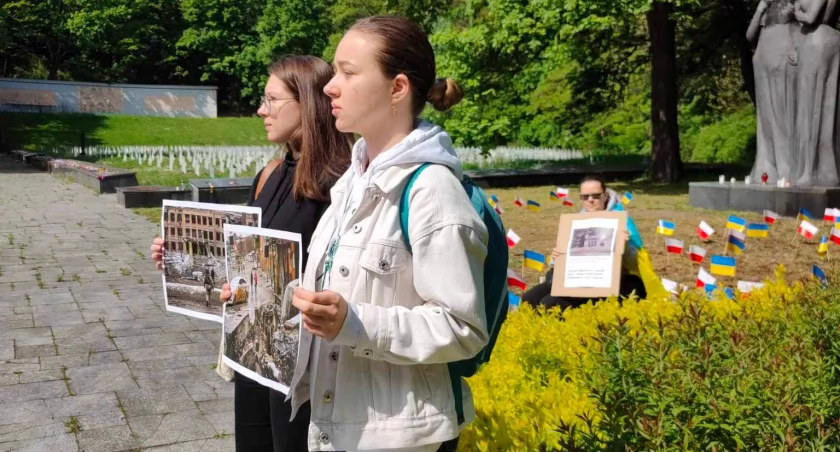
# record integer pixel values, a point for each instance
(266, 101)
(595, 196)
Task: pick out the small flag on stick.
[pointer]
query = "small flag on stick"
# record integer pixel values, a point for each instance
(723, 265)
(534, 260)
(807, 229)
(696, 253)
(822, 248)
(512, 238)
(835, 236)
(515, 280)
(704, 231)
(665, 228)
(770, 217)
(627, 198)
(758, 230)
(674, 246)
(518, 202)
(533, 206)
(736, 223)
(704, 279)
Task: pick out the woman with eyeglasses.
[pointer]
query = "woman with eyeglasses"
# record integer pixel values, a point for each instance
(595, 196)
(293, 193)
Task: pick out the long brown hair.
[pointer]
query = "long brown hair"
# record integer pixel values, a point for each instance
(405, 49)
(324, 150)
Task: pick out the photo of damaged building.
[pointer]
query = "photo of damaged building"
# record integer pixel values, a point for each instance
(261, 332)
(194, 267)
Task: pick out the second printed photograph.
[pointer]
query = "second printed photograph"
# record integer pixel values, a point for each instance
(261, 326)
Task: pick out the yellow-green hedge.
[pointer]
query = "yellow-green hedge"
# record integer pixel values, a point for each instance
(545, 366)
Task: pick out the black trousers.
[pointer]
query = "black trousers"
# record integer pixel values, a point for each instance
(262, 420)
(540, 295)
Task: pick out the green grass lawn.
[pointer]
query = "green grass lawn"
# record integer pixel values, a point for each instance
(40, 132)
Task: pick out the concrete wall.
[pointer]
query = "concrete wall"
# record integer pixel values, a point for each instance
(24, 95)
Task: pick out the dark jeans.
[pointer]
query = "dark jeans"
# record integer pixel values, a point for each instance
(541, 293)
(262, 421)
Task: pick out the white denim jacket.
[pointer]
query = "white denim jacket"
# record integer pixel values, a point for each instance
(383, 381)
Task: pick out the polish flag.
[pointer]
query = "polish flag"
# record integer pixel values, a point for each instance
(671, 286)
(498, 209)
(696, 253)
(512, 238)
(704, 231)
(835, 236)
(807, 229)
(566, 201)
(704, 278)
(674, 246)
(770, 217)
(515, 280)
(831, 215)
(562, 192)
(518, 202)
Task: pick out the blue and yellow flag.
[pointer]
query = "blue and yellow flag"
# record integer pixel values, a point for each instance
(723, 265)
(534, 260)
(665, 227)
(804, 215)
(822, 248)
(533, 205)
(735, 244)
(736, 223)
(627, 197)
(758, 230)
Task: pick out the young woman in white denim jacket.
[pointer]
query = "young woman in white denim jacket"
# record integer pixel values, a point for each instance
(381, 322)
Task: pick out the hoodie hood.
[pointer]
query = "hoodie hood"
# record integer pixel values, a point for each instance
(427, 143)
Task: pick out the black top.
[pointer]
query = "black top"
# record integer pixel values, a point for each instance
(280, 210)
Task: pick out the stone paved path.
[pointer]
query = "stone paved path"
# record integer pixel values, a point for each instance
(89, 359)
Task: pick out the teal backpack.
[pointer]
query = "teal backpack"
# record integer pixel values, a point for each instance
(495, 279)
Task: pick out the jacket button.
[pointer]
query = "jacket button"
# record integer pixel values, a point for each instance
(334, 356)
(357, 228)
(324, 438)
(343, 271)
(383, 265)
(327, 397)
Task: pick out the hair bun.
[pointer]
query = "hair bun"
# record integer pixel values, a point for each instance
(445, 94)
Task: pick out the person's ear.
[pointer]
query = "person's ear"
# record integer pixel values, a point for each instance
(400, 90)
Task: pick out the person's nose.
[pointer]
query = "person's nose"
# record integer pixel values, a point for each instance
(330, 89)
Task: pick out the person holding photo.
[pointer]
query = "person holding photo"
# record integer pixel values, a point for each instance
(596, 197)
(293, 193)
(381, 321)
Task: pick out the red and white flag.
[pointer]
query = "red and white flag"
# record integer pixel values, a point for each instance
(807, 229)
(674, 246)
(770, 217)
(562, 192)
(512, 238)
(518, 202)
(704, 231)
(515, 280)
(835, 236)
(567, 202)
(498, 209)
(704, 279)
(671, 286)
(696, 253)
(831, 215)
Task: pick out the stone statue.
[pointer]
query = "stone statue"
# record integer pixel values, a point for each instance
(816, 142)
(797, 76)
(775, 32)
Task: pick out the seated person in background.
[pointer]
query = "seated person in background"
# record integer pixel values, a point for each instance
(595, 196)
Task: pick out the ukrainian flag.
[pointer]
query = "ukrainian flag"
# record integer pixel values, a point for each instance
(734, 244)
(665, 227)
(822, 249)
(723, 265)
(533, 205)
(553, 196)
(758, 230)
(514, 300)
(736, 223)
(627, 197)
(534, 260)
(804, 215)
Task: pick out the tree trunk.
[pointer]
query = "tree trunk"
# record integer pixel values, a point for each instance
(666, 165)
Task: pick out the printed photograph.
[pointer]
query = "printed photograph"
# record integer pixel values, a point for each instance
(591, 242)
(261, 326)
(194, 254)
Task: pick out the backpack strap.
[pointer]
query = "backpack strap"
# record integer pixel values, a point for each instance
(266, 173)
(454, 375)
(404, 200)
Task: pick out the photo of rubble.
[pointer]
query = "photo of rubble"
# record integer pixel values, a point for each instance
(194, 254)
(261, 326)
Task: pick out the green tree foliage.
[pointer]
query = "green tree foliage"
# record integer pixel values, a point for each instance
(558, 73)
